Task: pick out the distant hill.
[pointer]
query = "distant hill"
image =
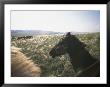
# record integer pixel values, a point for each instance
(32, 32)
(40, 32)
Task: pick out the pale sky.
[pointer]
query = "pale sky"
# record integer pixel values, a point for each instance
(59, 21)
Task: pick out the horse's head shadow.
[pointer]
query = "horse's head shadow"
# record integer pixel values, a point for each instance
(79, 56)
(66, 44)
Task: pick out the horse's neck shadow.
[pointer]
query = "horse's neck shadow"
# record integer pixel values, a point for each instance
(79, 56)
(90, 71)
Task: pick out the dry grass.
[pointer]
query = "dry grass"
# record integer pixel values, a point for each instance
(38, 48)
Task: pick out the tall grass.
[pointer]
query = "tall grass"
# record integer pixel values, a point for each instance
(39, 46)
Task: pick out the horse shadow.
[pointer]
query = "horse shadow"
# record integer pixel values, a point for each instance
(80, 58)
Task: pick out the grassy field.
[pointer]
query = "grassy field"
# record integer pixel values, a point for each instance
(39, 46)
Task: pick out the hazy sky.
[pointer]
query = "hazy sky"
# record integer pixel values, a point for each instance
(60, 21)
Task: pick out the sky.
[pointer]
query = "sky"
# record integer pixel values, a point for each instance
(58, 21)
